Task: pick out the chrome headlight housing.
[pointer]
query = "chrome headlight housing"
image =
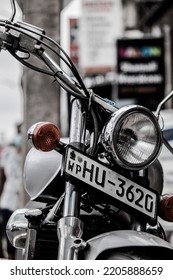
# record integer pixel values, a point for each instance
(132, 137)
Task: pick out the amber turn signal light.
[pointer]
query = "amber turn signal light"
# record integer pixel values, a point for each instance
(44, 136)
(166, 207)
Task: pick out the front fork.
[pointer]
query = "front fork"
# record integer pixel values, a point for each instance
(70, 227)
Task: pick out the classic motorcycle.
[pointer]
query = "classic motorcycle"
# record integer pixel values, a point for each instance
(99, 193)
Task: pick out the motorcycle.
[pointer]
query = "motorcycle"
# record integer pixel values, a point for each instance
(99, 193)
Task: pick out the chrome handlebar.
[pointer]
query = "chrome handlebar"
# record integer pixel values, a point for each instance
(25, 37)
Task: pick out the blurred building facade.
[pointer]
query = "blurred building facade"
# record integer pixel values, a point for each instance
(137, 19)
(155, 17)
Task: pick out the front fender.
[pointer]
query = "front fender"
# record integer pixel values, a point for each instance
(123, 239)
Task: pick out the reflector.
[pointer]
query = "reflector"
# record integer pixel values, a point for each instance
(166, 207)
(44, 136)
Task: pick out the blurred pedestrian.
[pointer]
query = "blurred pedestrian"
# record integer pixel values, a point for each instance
(11, 181)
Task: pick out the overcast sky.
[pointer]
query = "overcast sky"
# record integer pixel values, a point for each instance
(11, 111)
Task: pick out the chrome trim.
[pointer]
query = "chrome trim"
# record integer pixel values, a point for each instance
(16, 228)
(113, 125)
(122, 239)
(70, 230)
(70, 227)
(30, 244)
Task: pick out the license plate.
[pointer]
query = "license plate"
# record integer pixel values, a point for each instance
(127, 193)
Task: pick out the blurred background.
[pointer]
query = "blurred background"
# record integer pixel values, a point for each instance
(11, 101)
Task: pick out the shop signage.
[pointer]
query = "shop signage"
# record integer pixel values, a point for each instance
(140, 67)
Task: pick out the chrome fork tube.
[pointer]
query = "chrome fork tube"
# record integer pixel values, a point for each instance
(70, 227)
(77, 134)
(78, 120)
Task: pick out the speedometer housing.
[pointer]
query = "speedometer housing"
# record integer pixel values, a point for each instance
(132, 137)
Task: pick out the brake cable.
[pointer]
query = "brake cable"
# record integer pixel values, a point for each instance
(71, 66)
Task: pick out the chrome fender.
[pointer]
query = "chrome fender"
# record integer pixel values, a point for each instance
(122, 239)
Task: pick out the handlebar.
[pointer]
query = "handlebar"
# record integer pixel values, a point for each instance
(20, 36)
(29, 39)
(6, 40)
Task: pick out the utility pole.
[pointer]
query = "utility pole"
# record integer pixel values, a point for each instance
(41, 98)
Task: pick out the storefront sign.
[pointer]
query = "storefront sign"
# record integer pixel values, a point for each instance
(100, 26)
(140, 67)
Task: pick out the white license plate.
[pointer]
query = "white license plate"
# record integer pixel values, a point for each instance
(100, 177)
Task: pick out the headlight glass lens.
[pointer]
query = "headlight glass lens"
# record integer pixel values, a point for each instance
(133, 137)
(136, 139)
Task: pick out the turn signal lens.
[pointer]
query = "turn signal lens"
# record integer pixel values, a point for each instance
(166, 208)
(44, 136)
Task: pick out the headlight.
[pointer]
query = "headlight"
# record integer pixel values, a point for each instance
(132, 137)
